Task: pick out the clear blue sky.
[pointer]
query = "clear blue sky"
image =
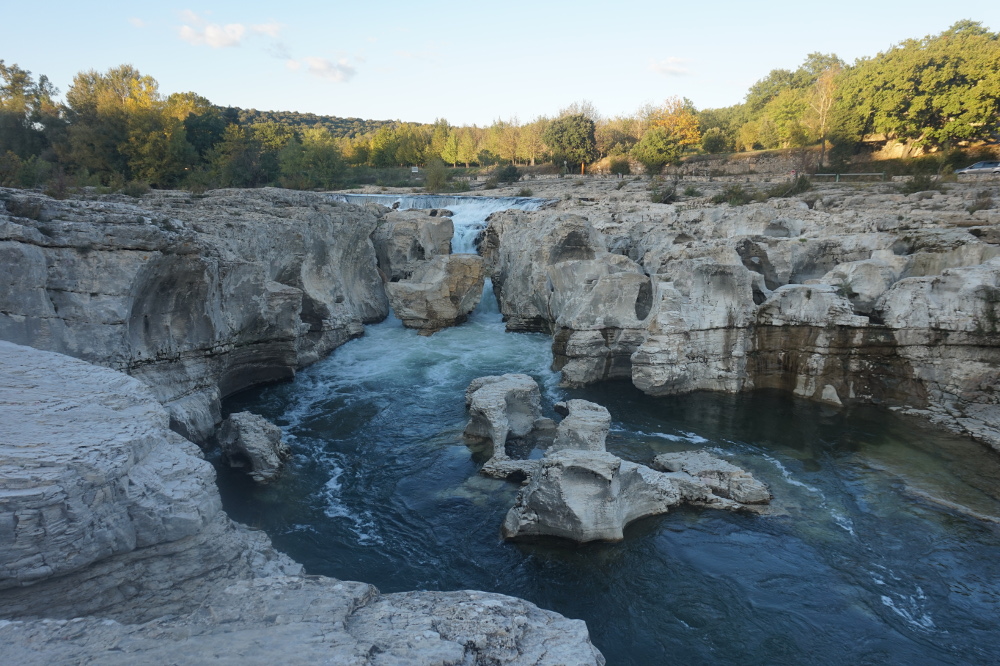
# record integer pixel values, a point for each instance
(469, 62)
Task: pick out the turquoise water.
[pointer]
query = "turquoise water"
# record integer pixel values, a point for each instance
(870, 556)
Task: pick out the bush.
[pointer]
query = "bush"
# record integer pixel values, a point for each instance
(801, 184)
(692, 191)
(661, 193)
(921, 182)
(135, 188)
(983, 202)
(714, 141)
(734, 195)
(525, 192)
(491, 183)
(620, 166)
(507, 174)
(435, 175)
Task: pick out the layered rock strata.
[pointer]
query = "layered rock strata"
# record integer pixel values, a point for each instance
(880, 298)
(112, 519)
(438, 293)
(199, 296)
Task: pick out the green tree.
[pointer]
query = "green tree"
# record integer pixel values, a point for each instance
(24, 105)
(314, 162)
(449, 151)
(932, 91)
(571, 138)
(657, 148)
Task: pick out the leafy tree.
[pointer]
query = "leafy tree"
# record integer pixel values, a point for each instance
(657, 148)
(572, 138)
(24, 104)
(236, 159)
(932, 91)
(677, 117)
(312, 162)
(449, 151)
(714, 141)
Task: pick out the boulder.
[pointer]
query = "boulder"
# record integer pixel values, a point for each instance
(585, 426)
(404, 237)
(723, 478)
(252, 443)
(440, 292)
(502, 407)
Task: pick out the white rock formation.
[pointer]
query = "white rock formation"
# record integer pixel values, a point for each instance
(584, 427)
(110, 518)
(404, 237)
(440, 292)
(199, 297)
(252, 443)
(723, 478)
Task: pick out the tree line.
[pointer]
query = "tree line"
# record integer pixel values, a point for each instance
(116, 127)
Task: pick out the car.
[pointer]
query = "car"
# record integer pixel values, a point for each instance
(981, 167)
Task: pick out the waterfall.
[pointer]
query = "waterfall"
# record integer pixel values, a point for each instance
(468, 213)
(469, 216)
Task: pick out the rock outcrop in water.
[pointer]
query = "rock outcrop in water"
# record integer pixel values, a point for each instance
(404, 237)
(199, 296)
(581, 492)
(253, 444)
(877, 298)
(438, 293)
(105, 512)
(578, 490)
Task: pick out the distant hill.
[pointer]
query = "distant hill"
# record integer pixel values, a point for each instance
(341, 127)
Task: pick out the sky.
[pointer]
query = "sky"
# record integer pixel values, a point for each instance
(468, 62)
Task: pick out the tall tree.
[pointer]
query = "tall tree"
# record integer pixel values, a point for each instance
(571, 138)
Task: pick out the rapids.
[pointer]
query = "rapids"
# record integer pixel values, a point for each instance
(883, 547)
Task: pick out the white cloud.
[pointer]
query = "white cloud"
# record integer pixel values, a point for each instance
(216, 36)
(340, 71)
(271, 28)
(137, 22)
(672, 66)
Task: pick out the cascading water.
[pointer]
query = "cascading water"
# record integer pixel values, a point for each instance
(853, 567)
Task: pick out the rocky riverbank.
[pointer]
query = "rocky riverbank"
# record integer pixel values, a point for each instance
(841, 294)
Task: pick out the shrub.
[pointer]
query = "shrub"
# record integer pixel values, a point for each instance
(734, 195)
(921, 182)
(135, 188)
(661, 193)
(692, 191)
(507, 174)
(713, 141)
(619, 166)
(525, 192)
(435, 175)
(491, 183)
(983, 202)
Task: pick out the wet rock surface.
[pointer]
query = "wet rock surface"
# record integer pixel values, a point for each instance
(253, 444)
(845, 295)
(199, 296)
(438, 293)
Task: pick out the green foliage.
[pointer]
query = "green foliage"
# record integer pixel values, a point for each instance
(661, 192)
(734, 195)
(921, 182)
(656, 149)
(571, 138)
(620, 166)
(508, 174)
(714, 141)
(931, 91)
(525, 192)
(435, 175)
(692, 191)
(135, 188)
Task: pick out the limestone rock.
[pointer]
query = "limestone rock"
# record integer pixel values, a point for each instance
(404, 237)
(863, 282)
(500, 407)
(585, 426)
(101, 505)
(440, 292)
(593, 495)
(808, 305)
(723, 478)
(311, 620)
(199, 297)
(252, 443)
